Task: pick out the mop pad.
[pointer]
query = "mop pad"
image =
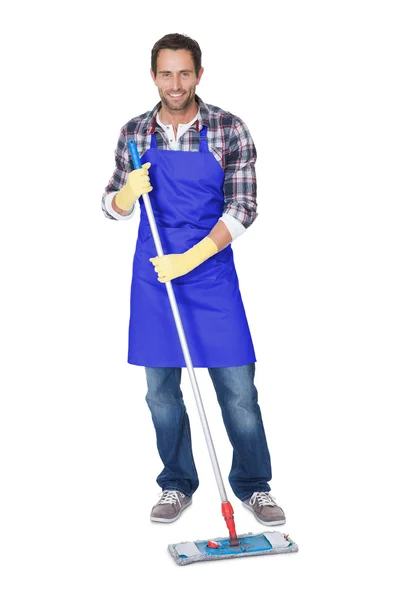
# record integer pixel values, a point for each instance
(267, 542)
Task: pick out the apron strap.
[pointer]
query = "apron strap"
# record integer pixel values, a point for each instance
(203, 146)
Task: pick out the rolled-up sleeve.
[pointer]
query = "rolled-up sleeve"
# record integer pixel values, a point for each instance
(118, 179)
(240, 187)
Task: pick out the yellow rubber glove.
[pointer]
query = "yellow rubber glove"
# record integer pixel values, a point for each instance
(138, 183)
(170, 266)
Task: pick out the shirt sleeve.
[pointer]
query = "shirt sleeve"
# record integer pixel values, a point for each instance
(110, 212)
(234, 226)
(240, 187)
(118, 179)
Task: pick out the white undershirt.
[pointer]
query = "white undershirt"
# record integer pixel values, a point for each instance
(234, 226)
(169, 130)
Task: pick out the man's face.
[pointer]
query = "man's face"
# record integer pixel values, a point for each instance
(176, 78)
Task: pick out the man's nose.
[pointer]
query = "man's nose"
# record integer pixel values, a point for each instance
(176, 81)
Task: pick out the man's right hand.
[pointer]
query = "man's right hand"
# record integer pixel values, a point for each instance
(138, 183)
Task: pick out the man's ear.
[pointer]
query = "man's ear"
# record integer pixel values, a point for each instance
(199, 75)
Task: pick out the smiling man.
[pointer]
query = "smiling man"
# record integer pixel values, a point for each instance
(176, 80)
(199, 172)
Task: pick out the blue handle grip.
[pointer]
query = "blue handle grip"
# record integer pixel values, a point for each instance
(134, 155)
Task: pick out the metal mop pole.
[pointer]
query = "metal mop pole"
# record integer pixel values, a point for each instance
(227, 510)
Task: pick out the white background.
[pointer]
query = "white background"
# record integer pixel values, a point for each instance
(318, 85)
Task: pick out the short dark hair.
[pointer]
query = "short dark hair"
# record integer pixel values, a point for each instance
(176, 41)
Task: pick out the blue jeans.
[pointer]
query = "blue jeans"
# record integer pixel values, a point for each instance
(237, 397)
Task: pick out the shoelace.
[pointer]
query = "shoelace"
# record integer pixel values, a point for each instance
(170, 497)
(264, 499)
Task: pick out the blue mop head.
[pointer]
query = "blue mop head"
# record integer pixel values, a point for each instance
(267, 542)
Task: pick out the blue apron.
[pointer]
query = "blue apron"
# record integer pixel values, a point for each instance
(187, 201)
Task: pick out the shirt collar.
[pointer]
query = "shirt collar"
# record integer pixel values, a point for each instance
(186, 126)
(203, 120)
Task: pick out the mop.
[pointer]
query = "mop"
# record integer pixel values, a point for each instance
(233, 546)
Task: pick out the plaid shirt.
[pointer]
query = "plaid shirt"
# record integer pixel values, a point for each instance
(229, 141)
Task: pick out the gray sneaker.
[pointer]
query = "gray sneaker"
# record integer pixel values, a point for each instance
(265, 509)
(169, 508)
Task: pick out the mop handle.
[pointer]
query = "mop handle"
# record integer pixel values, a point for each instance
(182, 338)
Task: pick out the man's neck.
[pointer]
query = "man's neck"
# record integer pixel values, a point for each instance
(176, 117)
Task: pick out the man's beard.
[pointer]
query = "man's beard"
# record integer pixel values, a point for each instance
(177, 105)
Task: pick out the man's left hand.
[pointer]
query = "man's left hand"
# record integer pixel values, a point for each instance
(171, 266)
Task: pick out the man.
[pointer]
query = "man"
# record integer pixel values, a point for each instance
(202, 188)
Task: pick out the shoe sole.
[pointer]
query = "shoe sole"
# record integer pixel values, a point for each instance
(280, 522)
(161, 520)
